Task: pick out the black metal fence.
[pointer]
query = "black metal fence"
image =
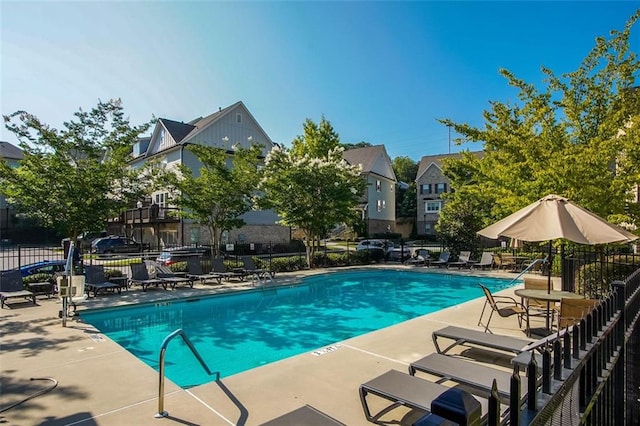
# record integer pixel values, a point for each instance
(590, 371)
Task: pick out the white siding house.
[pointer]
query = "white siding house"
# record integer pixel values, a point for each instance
(226, 128)
(379, 202)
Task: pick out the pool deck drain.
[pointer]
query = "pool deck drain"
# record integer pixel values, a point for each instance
(102, 384)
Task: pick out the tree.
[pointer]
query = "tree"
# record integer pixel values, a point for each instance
(576, 137)
(310, 186)
(361, 144)
(74, 179)
(406, 171)
(217, 195)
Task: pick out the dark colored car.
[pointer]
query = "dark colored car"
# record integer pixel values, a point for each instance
(181, 254)
(86, 239)
(44, 267)
(115, 244)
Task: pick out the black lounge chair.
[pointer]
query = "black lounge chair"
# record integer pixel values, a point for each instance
(95, 280)
(402, 389)
(165, 274)
(486, 260)
(250, 268)
(140, 275)
(443, 260)
(195, 272)
(476, 376)
(218, 267)
(461, 336)
(307, 416)
(11, 286)
(421, 257)
(464, 259)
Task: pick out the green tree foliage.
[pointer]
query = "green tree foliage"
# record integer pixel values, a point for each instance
(76, 178)
(218, 193)
(361, 144)
(317, 141)
(310, 186)
(406, 170)
(576, 137)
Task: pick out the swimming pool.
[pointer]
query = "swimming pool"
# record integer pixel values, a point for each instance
(240, 331)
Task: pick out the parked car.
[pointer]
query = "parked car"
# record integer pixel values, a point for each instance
(43, 267)
(115, 244)
(85, 239)
(372, 245)
(181, 254)
(399, 253)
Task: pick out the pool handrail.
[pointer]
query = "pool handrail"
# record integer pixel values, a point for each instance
(163, 348)
(525, 270)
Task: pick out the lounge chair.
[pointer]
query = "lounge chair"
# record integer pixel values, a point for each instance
(476, 376)
(218, 267)
(195, 272)
(420, 257)
(307, 415)
(463, 260)
(485, 261)
(504, 306)
(140, 275)
(504, 261)
(461, 336)
(95, 280)
(165, 274)
(250, 268)
(402, 389)
(443, 260)
(11, 286)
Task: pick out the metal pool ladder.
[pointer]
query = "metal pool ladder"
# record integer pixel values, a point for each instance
(163, 348)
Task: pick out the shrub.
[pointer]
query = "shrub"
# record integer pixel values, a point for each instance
(112, 273)
(179, 267)
(595, 278)
(39, 278)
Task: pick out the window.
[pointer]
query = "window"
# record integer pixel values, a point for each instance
(378, 186)
(425, 188)
(432, 206)
(441, 187)
(379, 205)
(238, 118)
(384, 204)
(162, 199)
(427, 228)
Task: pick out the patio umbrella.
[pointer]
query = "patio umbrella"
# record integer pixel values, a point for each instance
(554, 217)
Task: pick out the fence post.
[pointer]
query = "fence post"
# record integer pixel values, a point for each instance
(532, 379)
(514, 396)
(619, 383)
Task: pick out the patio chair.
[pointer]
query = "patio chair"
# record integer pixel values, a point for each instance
(477, 377)
(485, 261)
(537, 307)
(504, 261)
(165, 274)
(442, 260)
(504, 306)
(140, 275)
(307, 415)
(463, 260)
(11, 286)
(195, 272)
(403, 389)
(573, 310)
(420, 257)
(95, 280)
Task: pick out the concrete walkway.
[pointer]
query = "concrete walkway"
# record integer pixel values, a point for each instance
(100, 383)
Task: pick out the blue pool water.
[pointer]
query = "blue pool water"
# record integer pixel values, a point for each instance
(240, 331)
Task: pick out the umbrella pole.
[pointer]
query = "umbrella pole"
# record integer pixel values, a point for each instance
(550, 261)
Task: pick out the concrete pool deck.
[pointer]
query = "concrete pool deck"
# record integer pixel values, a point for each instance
(100, 383)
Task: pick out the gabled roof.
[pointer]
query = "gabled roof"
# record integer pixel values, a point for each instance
(437, 160)
(176, 129)
(368, 157)
(10, 151)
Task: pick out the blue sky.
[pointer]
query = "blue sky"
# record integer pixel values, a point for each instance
(381, 72)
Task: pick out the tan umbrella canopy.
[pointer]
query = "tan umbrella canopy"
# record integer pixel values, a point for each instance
(554, 217)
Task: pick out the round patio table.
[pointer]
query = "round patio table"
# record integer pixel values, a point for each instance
(547, 296)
